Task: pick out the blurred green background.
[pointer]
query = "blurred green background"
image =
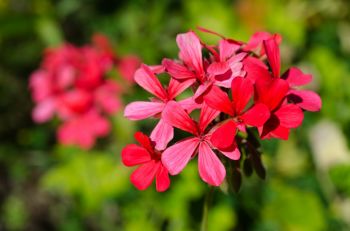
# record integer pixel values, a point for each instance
(44, 186)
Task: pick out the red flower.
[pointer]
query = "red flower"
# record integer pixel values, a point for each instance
(150, 163)
(176, 157)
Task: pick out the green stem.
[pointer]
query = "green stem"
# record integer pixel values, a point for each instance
(207, 202)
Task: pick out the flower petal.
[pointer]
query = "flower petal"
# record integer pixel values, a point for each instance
(147, 80)
(273, 55)
(44, 110)
(177, 71)
(256, 115)
(140, 110)
(232, 152)
(227, 49)
(211, 170)
(223, 137)
(207, 115)
(295, 77)
(219, 100)
(162, 134)
(190, 51)
(177, 87)
(307, 100)
(143, 176)
(290, 116)
(271, 92)
(176, 157)
(176, 116)
(218, 68)
(162, 179)
(255, 69)
(242, 91)
(144, 141)
(133, 154)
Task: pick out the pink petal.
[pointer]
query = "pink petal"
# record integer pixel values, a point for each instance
(307, 100)
(99, 125)
(242, 91)
(143, 176)
(177, 70)
(176, 116)
(273, 55)
(218, 68)
(211, 170)
(191, 51)
(40, 85)
(202, 90)
(255, 41)
(162, 179)
(227, 49)
(162, 134)
(141, 110)
(273, 129)
(44, 110)
(133, 154)
(236, 59)
(271, 92)
(219, 100)
(189, 104)
(176, 157)
(147, 80)
(223, 137)
(295, 77)
(177, 87)
(127, 66)
(290, 116)
(256, 115)
(232, 152)
(207, 115)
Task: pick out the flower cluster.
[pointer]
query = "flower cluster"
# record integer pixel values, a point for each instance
(236, 88)
(71, 84)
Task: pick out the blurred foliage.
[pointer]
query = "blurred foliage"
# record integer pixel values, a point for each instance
(47, 187)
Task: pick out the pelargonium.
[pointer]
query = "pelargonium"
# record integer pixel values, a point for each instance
(72, 84)
(241, 97)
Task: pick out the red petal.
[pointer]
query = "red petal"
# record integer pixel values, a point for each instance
(133, 154)
(273, 55)
(176, 157)
(207, 115)
(177, 70)
(190, 51)
(296, 77)
(211, 170)
(162, 179)
(224, 136)
(271, 92)
(242, 91)
(272, 129)
(256, 115)
(290, 116)
(219, 100)
(176, 116)
(143, 176)
(176, 87)
(307, 100)
(147, 80)
(255, 69)
(144, 140)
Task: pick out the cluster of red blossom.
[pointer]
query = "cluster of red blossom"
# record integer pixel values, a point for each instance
(71, 84)
(236, 87)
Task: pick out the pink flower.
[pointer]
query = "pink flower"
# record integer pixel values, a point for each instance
(150, 163)
(138, 110)
(176, 157)
(71, 84)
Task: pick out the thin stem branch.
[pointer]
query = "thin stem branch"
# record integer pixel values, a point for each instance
(207, 202)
